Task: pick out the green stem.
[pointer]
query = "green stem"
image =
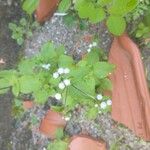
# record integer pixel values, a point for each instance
(4, 88)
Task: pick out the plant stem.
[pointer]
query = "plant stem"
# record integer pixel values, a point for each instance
(4, 88)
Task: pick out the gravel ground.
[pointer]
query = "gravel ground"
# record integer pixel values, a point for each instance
(76, 43)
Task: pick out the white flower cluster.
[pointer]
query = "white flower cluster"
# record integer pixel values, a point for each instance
(46, 66)
(60, 71)
(58, 96)
(91, 46)
(99, 97)
(103, 104)
(64, 83)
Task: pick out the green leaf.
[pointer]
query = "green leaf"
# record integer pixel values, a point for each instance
(58, 145)
(92, 113)
(96, 15)
(85, 86)
(41, 96)
(59, 133)
(26, 66)
(23, 22)
(28, 84)
(48, 51)
(30, 5)
(116, 25)
(64, 6)
(131, 5)
(102, 69)
(84, 8)
(103, 2)
(70, 102)
(16, 87)
(92, 57)
(79, 72)
(60, 50)
(105, 84)
(4, 83)
(65, 61)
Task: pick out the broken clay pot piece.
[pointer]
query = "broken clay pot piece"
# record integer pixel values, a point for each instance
(45, 9)
(50, 123)
(130, 94)
(86, 143)
(27, 104)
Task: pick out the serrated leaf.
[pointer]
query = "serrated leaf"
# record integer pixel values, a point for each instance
(70, 102)
(41, 96)
(92, 57)
(4, 83)
(64, 6)
(28, 84)
(65, 61)
(26, 66)
(116, 25)
(48, 51)
(30, 5)
(60, 50)
(102, 69)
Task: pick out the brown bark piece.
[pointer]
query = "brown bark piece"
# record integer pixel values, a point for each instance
(86, 143)
(46, 9)
(50, 123)
(130, 95)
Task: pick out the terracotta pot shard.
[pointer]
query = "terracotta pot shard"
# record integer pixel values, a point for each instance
(28, 104)
(46, 9)
(86, 143)
(130, 94)
(50, 123)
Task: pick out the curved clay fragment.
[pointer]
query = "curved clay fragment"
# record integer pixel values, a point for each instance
(46, 9)
(86, 143)
(130, 95)
(51, 122)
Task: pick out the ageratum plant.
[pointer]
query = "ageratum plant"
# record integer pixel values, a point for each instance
(52, 73)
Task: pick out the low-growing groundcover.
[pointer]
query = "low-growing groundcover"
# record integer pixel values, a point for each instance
(52, 73)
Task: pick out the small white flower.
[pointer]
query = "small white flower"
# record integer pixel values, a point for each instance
(66, 70)
(61, 85)
(103, 105)
(67, 82)
(44, 148)
(99, 112)
(94, 44)
(60, 70)
(58, 96)
(46, 66)
(90, 46)
(99, 97)
(55, 75)
(88, 50)
(67, 118)
(96, 105)
(109, 102)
